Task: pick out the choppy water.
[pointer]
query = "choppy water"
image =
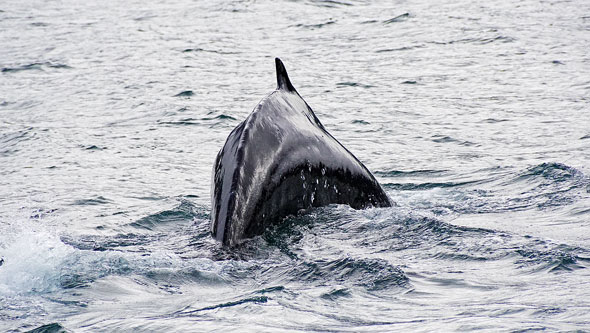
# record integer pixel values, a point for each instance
(474, 116)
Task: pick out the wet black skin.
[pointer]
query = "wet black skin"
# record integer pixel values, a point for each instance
(279, 161)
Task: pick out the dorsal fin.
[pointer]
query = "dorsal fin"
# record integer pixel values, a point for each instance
(283, 81)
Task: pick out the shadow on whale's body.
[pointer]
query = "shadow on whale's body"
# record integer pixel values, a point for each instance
(279, 161)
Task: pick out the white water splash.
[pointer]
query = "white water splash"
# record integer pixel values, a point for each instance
(33, 257)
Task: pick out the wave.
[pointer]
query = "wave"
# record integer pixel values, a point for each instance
(425, 186)
(399, 18)
(400, 173)
(185, 211)
(339, 253)
(542, 256)
(403, 48)
(479, 40)
(314, 26)
(10, 141)
(50, 328)
(329, 3)
(353, 84)
(544, 186)
(208, 120)
(553, 171)
(186, 93)
(99, 200)
(540, 187)
(387, 231)
(44, 263)
(198, 49)
(189, 311)
(38, 257)
(372, 274)
(35, 66)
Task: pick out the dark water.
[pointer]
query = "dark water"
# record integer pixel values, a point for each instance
(474, 116)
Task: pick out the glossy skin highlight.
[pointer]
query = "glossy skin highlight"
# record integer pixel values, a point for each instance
(279, 161)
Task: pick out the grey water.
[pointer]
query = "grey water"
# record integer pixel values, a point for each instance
(473, 115)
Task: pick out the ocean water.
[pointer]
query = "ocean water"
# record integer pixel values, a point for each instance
(473, 115)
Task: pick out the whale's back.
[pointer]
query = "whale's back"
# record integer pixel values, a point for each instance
(279, 161)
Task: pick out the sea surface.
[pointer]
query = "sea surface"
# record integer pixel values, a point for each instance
(473, 115)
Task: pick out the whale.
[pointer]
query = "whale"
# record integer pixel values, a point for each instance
(279, 162)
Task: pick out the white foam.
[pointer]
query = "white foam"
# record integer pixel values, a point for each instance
(33, 257)
(36, 260)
